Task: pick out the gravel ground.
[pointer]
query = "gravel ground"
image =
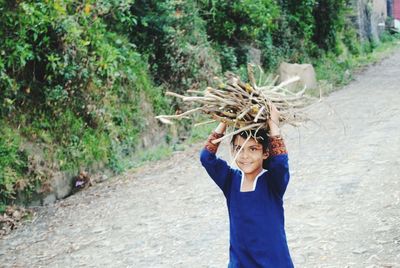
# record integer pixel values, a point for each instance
(342, 205)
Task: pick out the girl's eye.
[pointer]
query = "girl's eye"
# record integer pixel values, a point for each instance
(253, 149)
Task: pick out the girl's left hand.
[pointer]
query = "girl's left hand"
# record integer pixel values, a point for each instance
(274, 114)
(273, 123)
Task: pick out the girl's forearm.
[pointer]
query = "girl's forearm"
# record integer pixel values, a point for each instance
(221, 128)
(273, 128)
(216, 134)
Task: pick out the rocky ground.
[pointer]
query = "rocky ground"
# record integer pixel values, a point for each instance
(342, 204)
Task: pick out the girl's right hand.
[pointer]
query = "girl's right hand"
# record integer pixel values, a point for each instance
(221, 128)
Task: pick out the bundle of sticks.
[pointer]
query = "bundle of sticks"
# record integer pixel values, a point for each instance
(244, 106)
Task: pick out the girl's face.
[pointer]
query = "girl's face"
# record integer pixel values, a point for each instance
(251, 155)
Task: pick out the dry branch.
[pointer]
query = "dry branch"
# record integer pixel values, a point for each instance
(245, 105)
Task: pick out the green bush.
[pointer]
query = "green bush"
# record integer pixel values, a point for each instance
(172, 36)
(71, 79)
(330, 17)
(13, 165)
(233, 25)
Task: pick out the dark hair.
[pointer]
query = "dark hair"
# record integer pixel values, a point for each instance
(261, 136)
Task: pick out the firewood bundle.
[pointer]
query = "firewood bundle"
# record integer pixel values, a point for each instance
(244, 106)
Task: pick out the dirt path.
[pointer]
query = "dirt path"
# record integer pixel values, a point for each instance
(342, 205)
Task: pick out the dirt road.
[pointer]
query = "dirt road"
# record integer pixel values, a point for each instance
(342, 204)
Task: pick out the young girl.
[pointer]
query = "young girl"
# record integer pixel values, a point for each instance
(254, 195)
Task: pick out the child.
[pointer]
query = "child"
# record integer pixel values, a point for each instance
(254, 195)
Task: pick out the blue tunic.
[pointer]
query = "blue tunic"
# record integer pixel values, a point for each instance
(257, 231)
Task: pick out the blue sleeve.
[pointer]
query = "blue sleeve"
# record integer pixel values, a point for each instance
(278, 168)
(218, 169)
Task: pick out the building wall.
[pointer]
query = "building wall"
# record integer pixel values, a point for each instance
(380, 8)
(379, 16)
(371, 17)
(396, 9)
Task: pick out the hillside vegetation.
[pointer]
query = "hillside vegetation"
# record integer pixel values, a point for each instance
(76, 76)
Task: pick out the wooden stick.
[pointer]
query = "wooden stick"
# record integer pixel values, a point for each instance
(204, 123)
(178, 116)
(235, 132)
(259, 114)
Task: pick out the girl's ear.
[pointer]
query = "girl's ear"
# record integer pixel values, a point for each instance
(265, 154)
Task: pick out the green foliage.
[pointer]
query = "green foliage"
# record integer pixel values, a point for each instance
(301, 19)
(13, 165)
(349, 35)
(229, 58)
(116, 14)
(172, 35)
(233, 25)
(71, 79)
(61, 54)
(287, 30)
(328, 68)
(330, 15)
(233, 22)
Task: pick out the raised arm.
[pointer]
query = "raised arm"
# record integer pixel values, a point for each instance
(217, 168)
(218, 133)
(278, 166)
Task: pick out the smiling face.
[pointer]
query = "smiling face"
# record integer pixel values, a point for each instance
(251, 156)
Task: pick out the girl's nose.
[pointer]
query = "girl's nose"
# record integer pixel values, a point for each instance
(244, 154)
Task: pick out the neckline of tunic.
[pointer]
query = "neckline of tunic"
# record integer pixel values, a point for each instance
(254, 182)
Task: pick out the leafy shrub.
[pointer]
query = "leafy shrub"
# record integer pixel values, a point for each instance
(173, 37)
(13, 165)
(233, 25)
(69, 78)
(330, 15)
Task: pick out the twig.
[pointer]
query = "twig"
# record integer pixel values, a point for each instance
(236, 132)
